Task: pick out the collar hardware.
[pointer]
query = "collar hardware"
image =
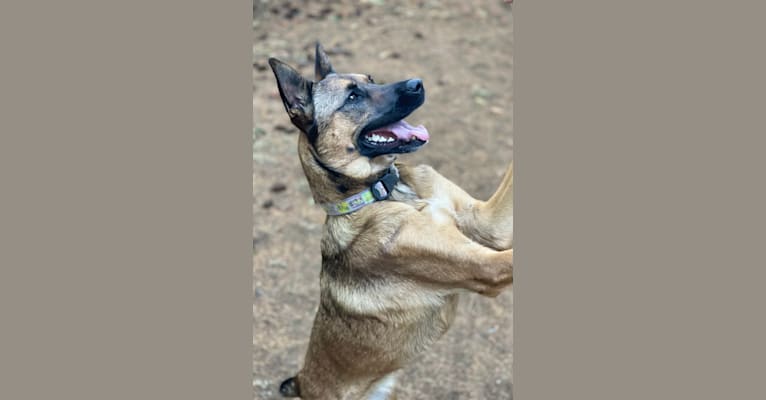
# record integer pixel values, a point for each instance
(382, 188)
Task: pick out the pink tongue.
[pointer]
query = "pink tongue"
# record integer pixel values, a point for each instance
(405, 131)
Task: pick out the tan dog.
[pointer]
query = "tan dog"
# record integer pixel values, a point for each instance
(399, 242)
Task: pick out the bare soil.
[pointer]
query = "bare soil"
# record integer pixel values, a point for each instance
(462, 51)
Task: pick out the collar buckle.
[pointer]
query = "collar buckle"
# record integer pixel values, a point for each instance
(382, 188)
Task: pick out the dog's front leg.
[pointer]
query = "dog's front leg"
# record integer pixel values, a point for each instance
(490, 222)
(441, 255)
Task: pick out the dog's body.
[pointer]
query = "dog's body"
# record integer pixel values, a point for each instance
(391, 270)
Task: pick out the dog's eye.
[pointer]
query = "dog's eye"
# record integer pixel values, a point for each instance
(353, 96)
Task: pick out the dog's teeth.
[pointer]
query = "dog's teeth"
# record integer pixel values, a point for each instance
(380, 139)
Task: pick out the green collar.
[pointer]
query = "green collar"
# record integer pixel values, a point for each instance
(380, 190)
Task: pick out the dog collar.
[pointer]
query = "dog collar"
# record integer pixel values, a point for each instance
(380, 190)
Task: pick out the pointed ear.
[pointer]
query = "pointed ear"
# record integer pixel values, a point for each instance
(322, 66)
(296, 94)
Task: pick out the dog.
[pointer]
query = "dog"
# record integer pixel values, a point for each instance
(399, 242)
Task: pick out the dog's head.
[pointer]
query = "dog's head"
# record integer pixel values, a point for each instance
(354, 125)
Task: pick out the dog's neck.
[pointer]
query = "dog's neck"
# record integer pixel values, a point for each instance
(328, 185)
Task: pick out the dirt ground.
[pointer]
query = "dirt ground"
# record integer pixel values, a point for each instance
(462, 51)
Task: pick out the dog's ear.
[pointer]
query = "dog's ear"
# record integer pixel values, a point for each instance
(322, 66)
(296, 94)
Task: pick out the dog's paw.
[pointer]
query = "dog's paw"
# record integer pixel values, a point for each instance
(289, 388)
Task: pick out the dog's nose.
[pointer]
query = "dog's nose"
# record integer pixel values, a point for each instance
(414, 85)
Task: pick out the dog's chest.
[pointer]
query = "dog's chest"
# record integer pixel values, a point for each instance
(396, 299)
(441, 210)
(437, 205)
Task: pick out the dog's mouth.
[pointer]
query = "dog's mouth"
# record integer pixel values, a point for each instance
(399, 137)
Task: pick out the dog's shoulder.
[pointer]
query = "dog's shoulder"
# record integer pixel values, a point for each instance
(369, 227)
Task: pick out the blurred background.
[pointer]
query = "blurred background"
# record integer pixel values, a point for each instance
(463, 53)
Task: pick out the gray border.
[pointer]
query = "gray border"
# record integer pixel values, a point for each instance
(639, 209)
(126, 201)
(125, 252)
